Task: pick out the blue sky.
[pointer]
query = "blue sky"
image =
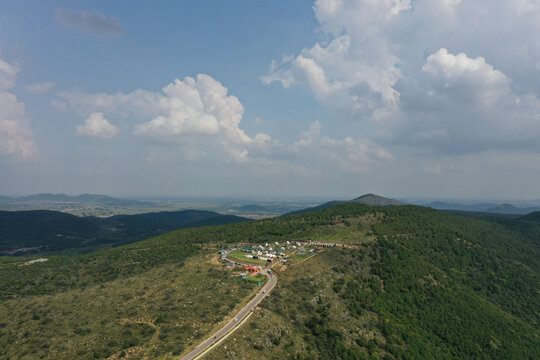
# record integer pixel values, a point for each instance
(232, 41)
(282, 98)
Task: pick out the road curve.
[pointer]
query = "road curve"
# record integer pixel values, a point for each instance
(236, 321)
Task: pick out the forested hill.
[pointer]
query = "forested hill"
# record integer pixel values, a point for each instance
(367, 199)
(413, 283)
(56, 231)
(426, 285)
(534, 217)
(171, 220)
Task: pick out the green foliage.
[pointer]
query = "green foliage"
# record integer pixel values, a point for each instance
(533, 217)
(55, 231)
(257, 279)
(62, 273)
(418, 283)
(432, 286)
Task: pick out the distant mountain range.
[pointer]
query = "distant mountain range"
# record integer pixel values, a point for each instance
(57, 231)
(475, 210)
(265, 208)
(103, 205)
(483, 207)
(368, 199)
(63, 202)
(63, 198)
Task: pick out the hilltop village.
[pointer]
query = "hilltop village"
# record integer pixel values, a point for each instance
(257, 256)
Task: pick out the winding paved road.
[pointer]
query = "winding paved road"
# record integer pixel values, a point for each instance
(232, 325)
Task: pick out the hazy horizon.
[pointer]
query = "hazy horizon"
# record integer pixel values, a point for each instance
(292, 198)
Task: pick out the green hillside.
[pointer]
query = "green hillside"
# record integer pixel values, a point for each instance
(54, 231)
(533, 217)
(26, 228)
(135, 313)
(413, 283)
(318, 207)
(432, 286)
(367, 199)
(371, 199)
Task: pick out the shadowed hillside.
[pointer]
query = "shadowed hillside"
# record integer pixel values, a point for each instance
(534, 217)
(57, 231)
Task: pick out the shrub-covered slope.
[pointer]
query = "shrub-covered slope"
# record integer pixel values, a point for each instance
(151, 314)
(430, 286)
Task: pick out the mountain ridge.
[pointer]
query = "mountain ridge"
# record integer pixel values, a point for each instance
(376, 200)
(503, 208)
(366, 199)
(63, 198)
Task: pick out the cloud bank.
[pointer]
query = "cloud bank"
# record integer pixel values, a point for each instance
(443, 76)
(200, 119)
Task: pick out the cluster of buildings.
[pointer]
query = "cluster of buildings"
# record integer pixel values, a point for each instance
(272, 252)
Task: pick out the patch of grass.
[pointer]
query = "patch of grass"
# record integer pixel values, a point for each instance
(257, 278)
(240, 255)
(299, 257)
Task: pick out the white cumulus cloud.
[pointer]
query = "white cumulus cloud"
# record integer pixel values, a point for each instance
(8, 75)
(198, 106)
(198, 120)
(97, 126)
(348, 154)
(471, 77)
(16, 137)
(446, 76)
(197, 113)
(355, 73)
